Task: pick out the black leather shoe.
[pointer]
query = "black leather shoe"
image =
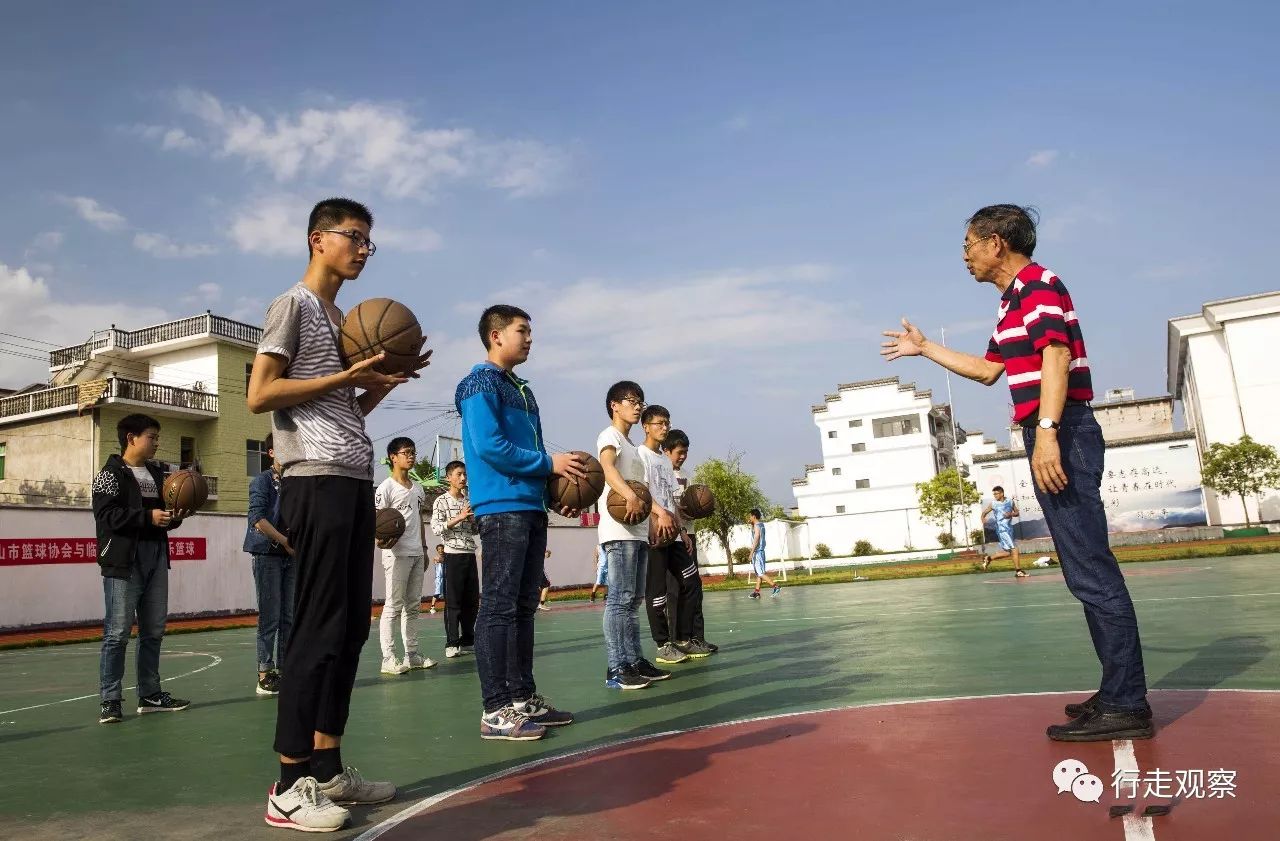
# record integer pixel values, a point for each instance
(1097, 726)
(1088, 706)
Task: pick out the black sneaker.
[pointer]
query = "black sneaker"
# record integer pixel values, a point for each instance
(1097, 726)
(111, 713)
(648, 671)
(713, 648)
(161, 702)
(624, 678)
(269, 684)
(1091, 704)
(755, 594)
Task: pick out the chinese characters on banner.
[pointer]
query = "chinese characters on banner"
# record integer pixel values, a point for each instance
(30, 551)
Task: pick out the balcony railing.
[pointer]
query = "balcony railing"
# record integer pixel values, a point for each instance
(196, 325)
(117, 388)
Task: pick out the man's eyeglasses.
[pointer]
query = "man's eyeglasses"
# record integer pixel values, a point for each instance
(967, 245)
(634, 401)
(657, 422)
(410, 453)
(358, 238)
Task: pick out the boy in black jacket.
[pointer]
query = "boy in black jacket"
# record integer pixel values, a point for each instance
(133, 552)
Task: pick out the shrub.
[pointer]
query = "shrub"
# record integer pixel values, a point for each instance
(946, 539)
(742, 555)
(822, 550)
(977, 536)
(863, 547)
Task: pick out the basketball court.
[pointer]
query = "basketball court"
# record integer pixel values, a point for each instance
(911, 709)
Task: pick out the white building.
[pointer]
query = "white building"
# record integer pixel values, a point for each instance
(879, 438)
(1220, 365)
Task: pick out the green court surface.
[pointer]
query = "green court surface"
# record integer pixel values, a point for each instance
(203, 773)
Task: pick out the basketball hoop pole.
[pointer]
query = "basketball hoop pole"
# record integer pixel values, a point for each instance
(955, 443)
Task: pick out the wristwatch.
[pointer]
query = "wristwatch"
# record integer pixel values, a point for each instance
(1046, 423)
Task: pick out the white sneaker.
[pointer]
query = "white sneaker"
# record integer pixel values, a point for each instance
(433, 610)
(392, 666)
(417, 661)
(543, 607)
(304, 807)
(452, 651)
(349, 788)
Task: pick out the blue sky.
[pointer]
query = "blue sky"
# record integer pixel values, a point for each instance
(724, 201)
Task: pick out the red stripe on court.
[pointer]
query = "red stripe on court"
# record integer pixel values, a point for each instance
(958, 770)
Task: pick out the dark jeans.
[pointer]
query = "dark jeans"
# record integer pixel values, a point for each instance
(674, 561)
(512, 544)
(462, 581)
(628, 565)
(144, 594)
(273, 576)
(331, 530)
(1077, 522)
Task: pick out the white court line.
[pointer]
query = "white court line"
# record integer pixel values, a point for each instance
(426, 803)
(216, 661)
(1136, 827)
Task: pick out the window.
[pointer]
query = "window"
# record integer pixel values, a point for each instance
(187, 453)
(854, 423)
(835, 471)
(839, 509)
(859, 447)
(256, 458)
(2, 460)
(248, 369)
(897, 425)
(832, 434)
(862, 483)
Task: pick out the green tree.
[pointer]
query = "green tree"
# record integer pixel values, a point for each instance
(1245, 468)
(944, 496)
(736, 491)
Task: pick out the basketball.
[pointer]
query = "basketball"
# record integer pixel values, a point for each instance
(698, 502)
(185, 490)
(389, 524)
(618, 506)
(381, 325)
(580, 494)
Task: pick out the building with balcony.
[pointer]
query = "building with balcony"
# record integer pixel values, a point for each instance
(190, 374)
(1220, 367)
(879, 438)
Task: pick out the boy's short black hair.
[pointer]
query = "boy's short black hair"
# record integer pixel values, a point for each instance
(333, 212)
(675, 438)
(399, 443)
(497, 317)
(135, 424)
(757, 513)
(620, 391)
(654, 411)
(997, 488)
(452, 466)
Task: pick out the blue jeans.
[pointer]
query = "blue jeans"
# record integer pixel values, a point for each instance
(274, 577)
(144, 594)
(513, 544)
(1077, 522)
(628, 566)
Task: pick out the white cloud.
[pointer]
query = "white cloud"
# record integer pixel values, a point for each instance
(205, 293)
(738, 122)
(370, 145)
(169, 138)
(159, 245)
(248, 309)
(274, 226)
(48, 241)
(418, 240)
(1042, 158)
(94, 213)
(51, 319)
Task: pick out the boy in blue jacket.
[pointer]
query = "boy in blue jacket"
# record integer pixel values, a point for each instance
(507, 471)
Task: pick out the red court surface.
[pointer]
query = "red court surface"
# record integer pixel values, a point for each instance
(976, 769)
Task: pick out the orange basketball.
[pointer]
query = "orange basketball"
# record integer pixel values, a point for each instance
(185, 490)
(580, 494)
(698, 501)
(618, 506)
(381, 325)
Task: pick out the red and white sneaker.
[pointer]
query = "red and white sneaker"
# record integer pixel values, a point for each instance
(304, 807)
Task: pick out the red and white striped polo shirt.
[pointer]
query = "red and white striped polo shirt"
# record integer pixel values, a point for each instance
(1035, 310)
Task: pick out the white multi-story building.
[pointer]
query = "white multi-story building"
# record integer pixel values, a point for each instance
(1221, 366)
(879, 438)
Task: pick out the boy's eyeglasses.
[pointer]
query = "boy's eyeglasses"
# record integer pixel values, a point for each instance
(355, 236)
(412, 453)
(634, 401)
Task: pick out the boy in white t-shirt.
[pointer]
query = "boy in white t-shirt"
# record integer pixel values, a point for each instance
(625, 543)
(402, 561)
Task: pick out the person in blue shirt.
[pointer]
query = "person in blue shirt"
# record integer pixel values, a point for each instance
(1003, 510)
(274, 573)
(507, 471)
